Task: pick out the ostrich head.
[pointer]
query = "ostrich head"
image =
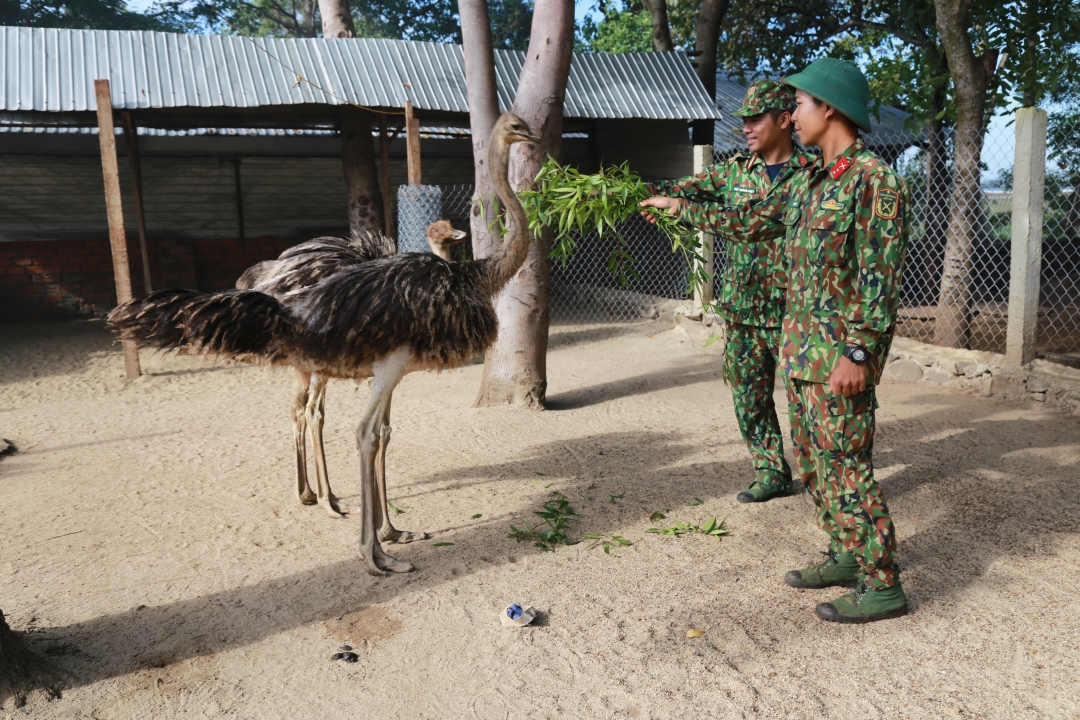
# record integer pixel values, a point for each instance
(442, 236)
(511, 129)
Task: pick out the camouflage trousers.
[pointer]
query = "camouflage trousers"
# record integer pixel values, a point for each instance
(750, 360)
(833, 439)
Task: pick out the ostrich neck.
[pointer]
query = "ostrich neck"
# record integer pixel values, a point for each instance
(502, 265)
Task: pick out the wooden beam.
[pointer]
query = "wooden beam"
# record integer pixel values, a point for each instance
(412, 143)
(384, 176)
(114, 209)
(239, 198)
(131, 139)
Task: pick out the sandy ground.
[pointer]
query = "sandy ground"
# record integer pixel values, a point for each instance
(151, 543)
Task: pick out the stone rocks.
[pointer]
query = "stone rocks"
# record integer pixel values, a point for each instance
(1036, 384)
(904, 370)
(1007, 385)
(937, 375)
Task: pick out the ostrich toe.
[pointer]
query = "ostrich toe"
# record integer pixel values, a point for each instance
(402, 537)
(386, 562)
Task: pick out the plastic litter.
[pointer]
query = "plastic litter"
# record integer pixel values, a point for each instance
(517, 616)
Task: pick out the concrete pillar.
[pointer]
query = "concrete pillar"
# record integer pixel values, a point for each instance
(703, 158)
(1029, 170)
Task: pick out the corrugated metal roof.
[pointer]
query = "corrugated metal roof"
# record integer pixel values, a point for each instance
(730, 92)
(52, 70)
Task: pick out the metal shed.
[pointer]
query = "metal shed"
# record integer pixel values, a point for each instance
(239, 160)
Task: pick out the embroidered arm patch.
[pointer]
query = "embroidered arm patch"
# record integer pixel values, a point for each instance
(886, 203)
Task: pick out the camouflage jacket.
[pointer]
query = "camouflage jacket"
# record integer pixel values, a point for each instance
(847, 235)
(735, 201)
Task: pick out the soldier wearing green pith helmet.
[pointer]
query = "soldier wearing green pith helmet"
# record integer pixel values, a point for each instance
(847, 234)
(740, 201)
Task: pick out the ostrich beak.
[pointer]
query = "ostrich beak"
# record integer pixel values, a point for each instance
(527, 136)
(457, 237)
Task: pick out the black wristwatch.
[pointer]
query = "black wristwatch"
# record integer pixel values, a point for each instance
(856, 354)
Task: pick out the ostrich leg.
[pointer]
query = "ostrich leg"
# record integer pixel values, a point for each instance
(388, 372)
(387, 532)
(299, 418)
(315, 412)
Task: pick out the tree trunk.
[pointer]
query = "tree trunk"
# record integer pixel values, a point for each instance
(483, 112)
(336, 19)
(661, 30)
(22, 672)
(361, 175)
(515, 368)
(709, 19)
(971, 76)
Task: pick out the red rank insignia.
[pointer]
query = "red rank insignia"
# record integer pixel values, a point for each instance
(839, 167)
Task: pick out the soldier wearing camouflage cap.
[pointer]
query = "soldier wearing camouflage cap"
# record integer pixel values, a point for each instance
(740, 201)
(847, 235)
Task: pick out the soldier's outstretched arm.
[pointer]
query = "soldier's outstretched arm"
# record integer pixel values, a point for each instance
(707, 186)
(881, 229)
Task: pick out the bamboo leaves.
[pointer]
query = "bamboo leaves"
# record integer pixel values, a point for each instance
(573, 204)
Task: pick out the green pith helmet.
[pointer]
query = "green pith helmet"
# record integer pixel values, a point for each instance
(837, 83)
(766, 95)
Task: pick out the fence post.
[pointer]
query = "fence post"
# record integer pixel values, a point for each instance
(703, 158)
(1029, 170)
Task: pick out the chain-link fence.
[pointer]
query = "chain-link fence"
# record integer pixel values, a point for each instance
(956, 279)
(584, 291)
(1059, 306)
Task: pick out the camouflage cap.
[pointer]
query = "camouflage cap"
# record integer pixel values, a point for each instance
(767, 95)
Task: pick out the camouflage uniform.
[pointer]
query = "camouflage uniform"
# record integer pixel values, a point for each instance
(736, 201)
(847, 234)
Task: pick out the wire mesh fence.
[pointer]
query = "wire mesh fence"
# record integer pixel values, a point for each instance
(1059, 301)
(584, 291)
(956, 278)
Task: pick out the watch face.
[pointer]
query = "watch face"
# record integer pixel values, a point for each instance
(858, 355)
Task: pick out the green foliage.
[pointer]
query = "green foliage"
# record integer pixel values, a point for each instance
(399, 510)
(81, 14)
(573, 204)
(555, 514)
(712, 528)
(624, 29)
(608, 542)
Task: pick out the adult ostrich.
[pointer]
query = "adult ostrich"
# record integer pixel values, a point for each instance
(379, 319)
(305, 265)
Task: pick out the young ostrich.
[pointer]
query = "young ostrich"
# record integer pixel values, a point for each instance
(305, 265)
(380, 319)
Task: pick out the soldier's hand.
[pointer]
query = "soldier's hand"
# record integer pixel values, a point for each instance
(847, 378)
(672, 205)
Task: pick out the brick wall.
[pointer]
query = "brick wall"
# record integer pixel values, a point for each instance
(65, 279)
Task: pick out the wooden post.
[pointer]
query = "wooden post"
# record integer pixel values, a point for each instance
(131, 139)
(239, 198)
(412, 143)
(1029, 176)
(117, 239)
(384, 175)
(705, 295)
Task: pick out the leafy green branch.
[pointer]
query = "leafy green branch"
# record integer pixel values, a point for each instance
(552, 532)
(711, 529)
(573, 204)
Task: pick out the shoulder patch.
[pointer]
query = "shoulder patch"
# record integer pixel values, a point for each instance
(886, 203)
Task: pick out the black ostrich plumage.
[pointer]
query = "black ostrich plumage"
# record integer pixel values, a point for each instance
(330, 309)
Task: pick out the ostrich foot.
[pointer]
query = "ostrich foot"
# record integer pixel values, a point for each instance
(401, 537)
(307, 498)
(332, 506)
(380, 563)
